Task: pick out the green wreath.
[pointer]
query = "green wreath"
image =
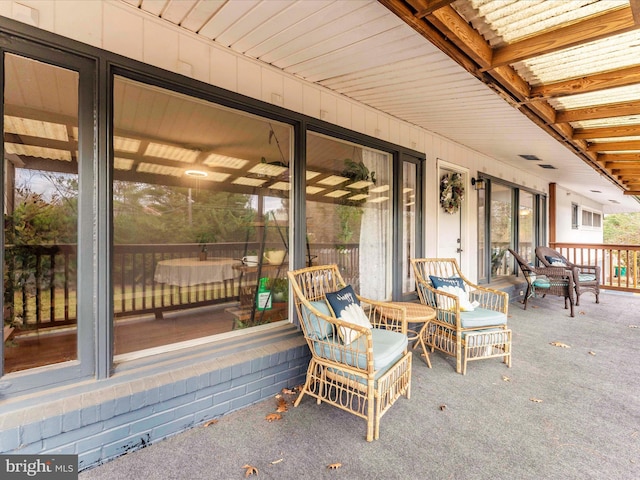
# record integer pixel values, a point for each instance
(451, 192)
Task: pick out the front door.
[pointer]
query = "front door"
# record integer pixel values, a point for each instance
(451, 237)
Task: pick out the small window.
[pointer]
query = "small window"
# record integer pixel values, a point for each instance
(591, 219)
(574, 216)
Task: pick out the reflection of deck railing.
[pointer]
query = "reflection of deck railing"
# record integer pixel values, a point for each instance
(619, 264)
(40, 281)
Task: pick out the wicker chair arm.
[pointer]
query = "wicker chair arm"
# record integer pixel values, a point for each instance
(490, 298)
(594, 269)
(389, 316)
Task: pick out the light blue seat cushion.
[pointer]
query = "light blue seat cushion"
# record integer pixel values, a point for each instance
(586, 277)
(542, 282)
(481, 317)
(388, 347)
(316, 327)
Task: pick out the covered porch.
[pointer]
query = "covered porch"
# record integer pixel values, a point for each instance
(559, 412)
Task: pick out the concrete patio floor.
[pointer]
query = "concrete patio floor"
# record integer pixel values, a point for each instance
(559, 413)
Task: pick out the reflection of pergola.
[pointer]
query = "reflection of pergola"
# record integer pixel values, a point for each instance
(185, 142)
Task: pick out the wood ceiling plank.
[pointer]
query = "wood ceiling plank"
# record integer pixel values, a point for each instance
(599, 111)
(606, 132)
(631, 192)
(590, 83)
(594, 28)
(400, 8)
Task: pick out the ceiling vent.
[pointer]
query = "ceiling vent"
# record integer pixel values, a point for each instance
(547, 166)
(529, 157)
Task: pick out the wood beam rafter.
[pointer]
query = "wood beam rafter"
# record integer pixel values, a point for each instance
(426, 7)
(594, 28)
(614, 146)
(590, 83)
(599, 111)
(607, 132)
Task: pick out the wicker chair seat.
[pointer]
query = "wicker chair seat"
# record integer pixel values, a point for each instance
(482, 317)
(388, 347)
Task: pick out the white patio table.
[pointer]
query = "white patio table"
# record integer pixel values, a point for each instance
(186, 272)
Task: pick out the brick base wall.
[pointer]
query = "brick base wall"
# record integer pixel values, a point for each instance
(101, 420)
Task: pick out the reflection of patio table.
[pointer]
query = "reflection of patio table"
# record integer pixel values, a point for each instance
(186, 272)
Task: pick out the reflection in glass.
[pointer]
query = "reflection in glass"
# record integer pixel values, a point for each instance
(41, 213)
(409, 180)
(482, 242)
(526, 242)
(197, 188)
(501, 228)
(348, 212)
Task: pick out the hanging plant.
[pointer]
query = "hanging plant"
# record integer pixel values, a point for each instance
(451, 192)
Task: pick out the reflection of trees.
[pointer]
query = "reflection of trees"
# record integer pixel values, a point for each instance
(500, 233)
(146, 213)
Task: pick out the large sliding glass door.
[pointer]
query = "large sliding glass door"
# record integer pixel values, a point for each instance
(348, 206)
(510, 217)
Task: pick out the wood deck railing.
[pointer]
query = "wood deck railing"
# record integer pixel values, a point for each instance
(619, 264)
(40, 281)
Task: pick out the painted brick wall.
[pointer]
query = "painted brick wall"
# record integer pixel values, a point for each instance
(103, 420)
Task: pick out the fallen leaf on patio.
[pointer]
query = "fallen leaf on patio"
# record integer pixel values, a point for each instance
(592, 353)
(443, 407)
(250, 470)
(282, 405)
(535, 400)
(505, 378)
(334, 466)
(633, 326)
(210, 422)
(289, 391)
(534, 306)
(273, 416)
(277, 461)
(560, 344)
(581, 313)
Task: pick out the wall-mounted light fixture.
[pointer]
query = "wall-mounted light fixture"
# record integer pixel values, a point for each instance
(478, 183)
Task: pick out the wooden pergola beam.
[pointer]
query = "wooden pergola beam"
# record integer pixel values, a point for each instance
(593, 28)
(590, 83)
(426, 7)
(621, 165)
(599, 111)
(606, 132)
(614, 157)
(614, 146)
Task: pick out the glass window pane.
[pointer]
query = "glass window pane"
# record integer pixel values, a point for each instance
(526, 242)
(409, 176)
(41, 213)
(501, 228)
(200, 214)
(482, 244)
(349, 212)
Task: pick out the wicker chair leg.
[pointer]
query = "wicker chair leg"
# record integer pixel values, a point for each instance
(371, 419)
(305, 388)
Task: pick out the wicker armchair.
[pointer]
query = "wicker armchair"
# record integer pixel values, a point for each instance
(546, 281)
(367, 375)
(586, 278)
(466, 335)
